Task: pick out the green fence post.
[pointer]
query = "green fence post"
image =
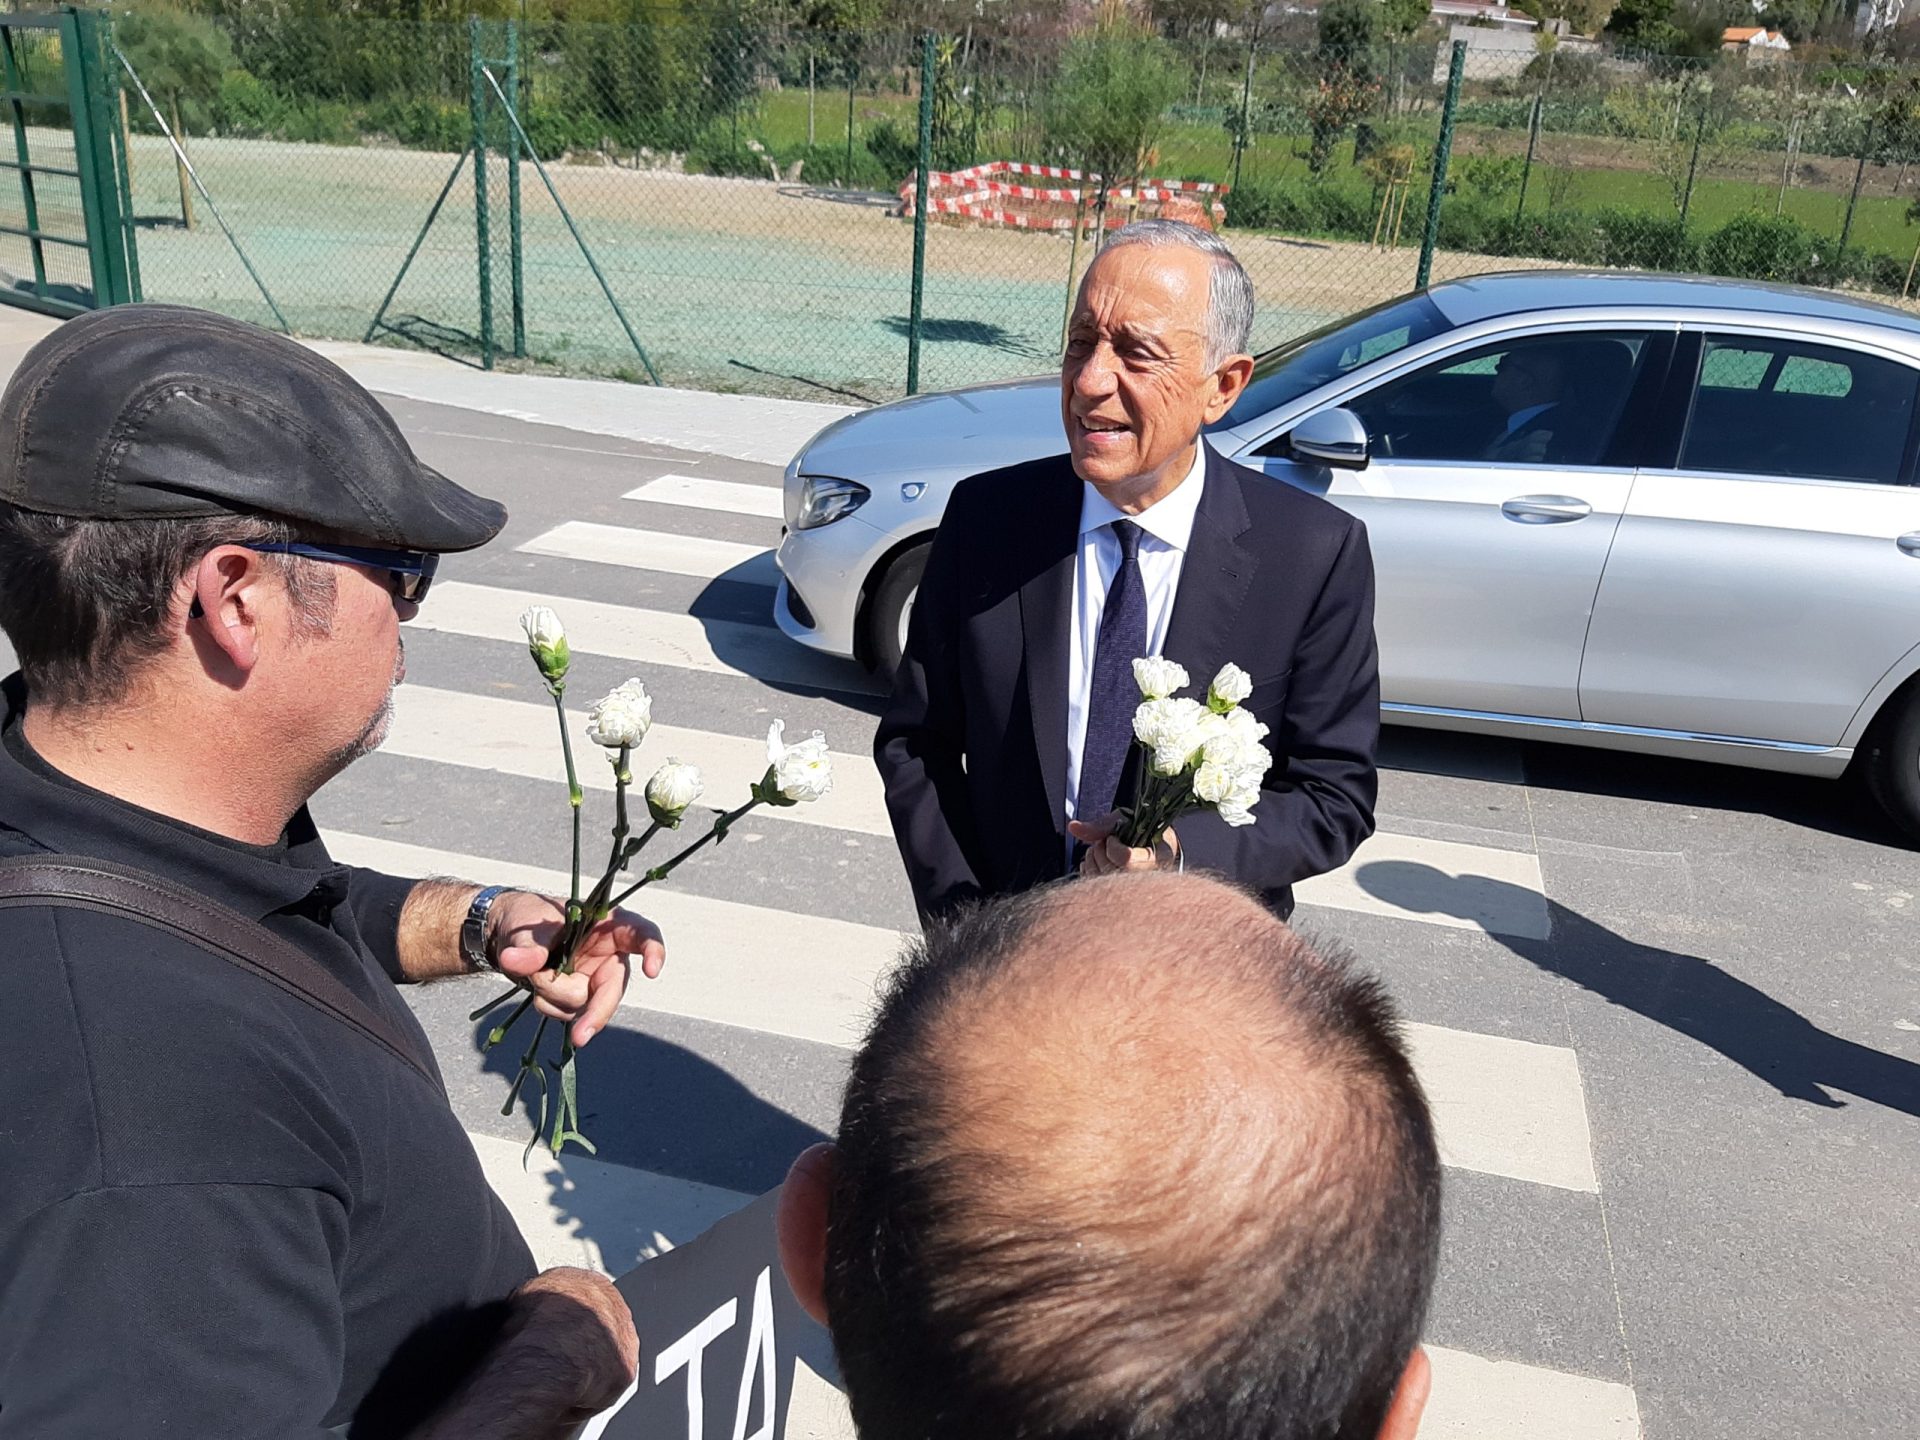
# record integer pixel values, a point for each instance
(518, 253)
(853, 80)
(1693, 165)
(1442, 152)
(1859, 174)
(477, 106)
(83, 44)
(115, 101)
(914, 320)
(1533, 142)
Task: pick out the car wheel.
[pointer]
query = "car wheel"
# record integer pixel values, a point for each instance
(892, 608)
(1893, 762)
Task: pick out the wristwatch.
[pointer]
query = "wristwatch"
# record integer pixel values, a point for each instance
(473, 930)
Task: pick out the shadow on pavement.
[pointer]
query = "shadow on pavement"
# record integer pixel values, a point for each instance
(652, 1105)
(1689, 995)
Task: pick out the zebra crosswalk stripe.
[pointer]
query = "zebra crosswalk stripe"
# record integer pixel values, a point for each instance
(661, 550)
(729, 497)
(516, 737)
(646, 637)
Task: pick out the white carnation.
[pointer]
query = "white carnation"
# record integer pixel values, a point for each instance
(1231, 686)
(797, 772)
(621, 717)
(1173, 729)
(672, 789)
(1158, 677)
(547, 643)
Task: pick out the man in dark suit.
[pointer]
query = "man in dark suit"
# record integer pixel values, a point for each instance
(1008, 740)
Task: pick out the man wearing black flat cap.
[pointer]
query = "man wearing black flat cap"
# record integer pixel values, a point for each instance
(235, 1199)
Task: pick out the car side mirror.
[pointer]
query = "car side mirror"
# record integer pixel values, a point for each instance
(1331, 437)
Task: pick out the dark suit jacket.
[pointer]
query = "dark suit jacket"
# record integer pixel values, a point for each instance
(973, 746)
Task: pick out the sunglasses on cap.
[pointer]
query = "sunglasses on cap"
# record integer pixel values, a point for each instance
(411, 571)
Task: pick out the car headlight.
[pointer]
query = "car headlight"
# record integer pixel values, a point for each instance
(824, 500)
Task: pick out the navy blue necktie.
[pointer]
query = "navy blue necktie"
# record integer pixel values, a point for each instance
(1113, 696)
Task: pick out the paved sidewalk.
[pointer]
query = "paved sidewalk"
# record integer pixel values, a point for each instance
(742, 427)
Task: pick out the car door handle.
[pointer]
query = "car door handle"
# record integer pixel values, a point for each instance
(1910, 543)
(1545, 509)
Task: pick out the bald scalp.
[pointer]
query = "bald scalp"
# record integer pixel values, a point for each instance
(1142, 1107)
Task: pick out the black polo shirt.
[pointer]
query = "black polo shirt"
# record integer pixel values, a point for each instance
(222, 1213)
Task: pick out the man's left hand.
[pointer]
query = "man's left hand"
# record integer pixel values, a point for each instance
(525, 925)
(1108, 855)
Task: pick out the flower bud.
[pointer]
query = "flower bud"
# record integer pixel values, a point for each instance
(621, 717)
(671, 790)
(547, 643)
(1231, 686)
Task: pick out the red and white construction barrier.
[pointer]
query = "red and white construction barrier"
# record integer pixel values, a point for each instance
(977, 191)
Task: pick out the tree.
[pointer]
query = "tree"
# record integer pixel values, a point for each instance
(180, 58)
(1349, 75)
(1104, 110)
(1400, 19)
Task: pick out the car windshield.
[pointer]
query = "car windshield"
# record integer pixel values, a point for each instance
(1328, 353)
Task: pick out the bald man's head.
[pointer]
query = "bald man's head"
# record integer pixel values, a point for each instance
(1126, 1157)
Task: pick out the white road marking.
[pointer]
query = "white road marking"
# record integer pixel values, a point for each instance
(582, 1211)
(1501, 1107)
(808, 977)
(646, 637)
(515, 737)
(1476, 1399)
(1469, 887)
(693, 555)
(730, 497)
(1506, 1107)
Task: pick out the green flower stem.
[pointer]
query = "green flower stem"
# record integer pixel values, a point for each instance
(526, 1064)
(495, 1003)
(716, 834)
(574, 797)
(499, 1032)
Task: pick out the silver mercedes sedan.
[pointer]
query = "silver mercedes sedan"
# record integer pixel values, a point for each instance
(1669, 515)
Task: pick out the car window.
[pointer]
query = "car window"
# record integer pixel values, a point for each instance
(1797, 409)
(1541, 400)
(1285, 374)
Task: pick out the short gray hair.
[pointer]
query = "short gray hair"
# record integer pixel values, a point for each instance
(1229, 292)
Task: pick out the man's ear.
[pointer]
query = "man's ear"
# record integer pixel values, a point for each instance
(801, 1225)
(225, 603)
(1229, 382)
(1410, 1399)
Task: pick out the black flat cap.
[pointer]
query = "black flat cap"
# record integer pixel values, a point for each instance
(148, 412)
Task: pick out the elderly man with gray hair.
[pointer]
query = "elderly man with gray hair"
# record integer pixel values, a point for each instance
(1006, 748)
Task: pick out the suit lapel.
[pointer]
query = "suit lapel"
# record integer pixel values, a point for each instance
(1215, 577)
(1046, 610)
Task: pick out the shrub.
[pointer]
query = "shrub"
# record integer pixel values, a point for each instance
(245, 107)
(897, 152)
(1761, 247)
(1639, 241)
(1301, 207)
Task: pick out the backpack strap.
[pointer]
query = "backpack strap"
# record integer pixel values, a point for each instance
(82, 884)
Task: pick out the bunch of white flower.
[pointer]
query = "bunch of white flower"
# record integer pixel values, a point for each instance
(1199, 755)
(619, 721)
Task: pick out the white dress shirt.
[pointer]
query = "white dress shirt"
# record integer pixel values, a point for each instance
(1166, 529)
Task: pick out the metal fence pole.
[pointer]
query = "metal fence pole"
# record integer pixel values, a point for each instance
(1442, 152)
(1693, 165)
(853, 80)
(482, 229)
(84, 43)
(518, 251)
(914, 319)
(1533, 144)
(1859, 174)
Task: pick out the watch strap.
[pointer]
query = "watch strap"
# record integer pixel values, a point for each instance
(473, 930)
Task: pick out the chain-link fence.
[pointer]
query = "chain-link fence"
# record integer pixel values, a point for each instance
(725, 204)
